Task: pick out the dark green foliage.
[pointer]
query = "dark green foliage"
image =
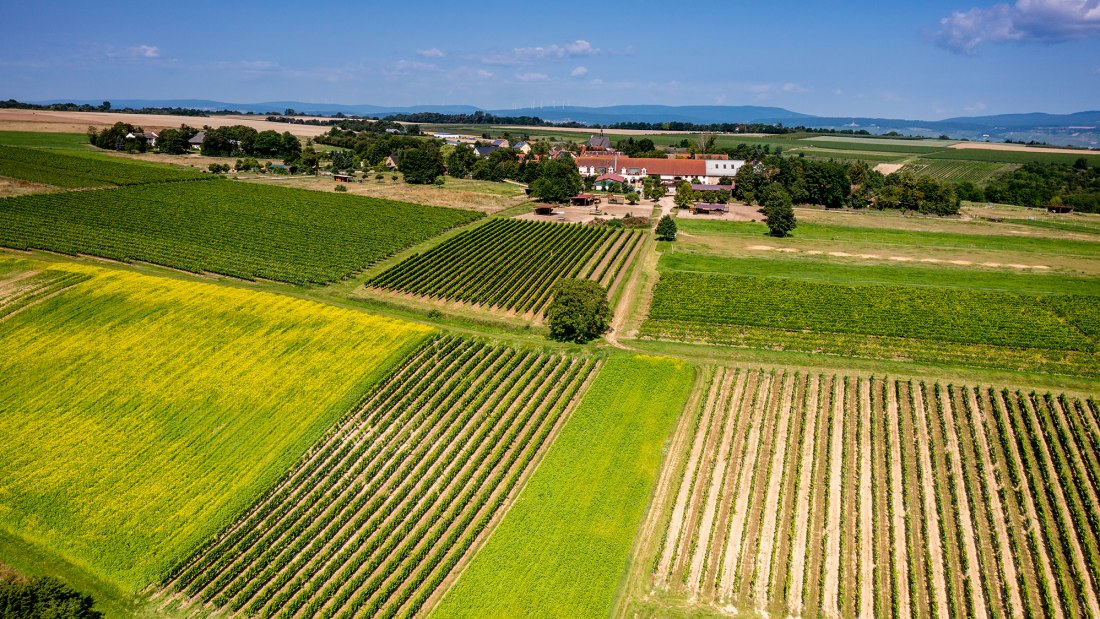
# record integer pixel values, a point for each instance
(44, 598)
(175, 141)
(922, 194)
(1037, 184)
(778, 210)
(420, 166)
(559, 181)
(579, 311)
(666, 229)
(227, 227)
(967, 190)
(461, 161)
(73, 170)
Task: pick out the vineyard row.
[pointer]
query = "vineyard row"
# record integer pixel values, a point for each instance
(381, 511)
(846, 496)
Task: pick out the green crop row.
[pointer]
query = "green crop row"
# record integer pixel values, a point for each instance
(957, 171)
(245, 231)
(509, 264)
(69, 171)
(375, 517)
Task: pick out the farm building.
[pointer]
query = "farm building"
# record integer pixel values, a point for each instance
(544, 209)
(196, 142)
(584, 199)
(342, 178)
(598, 143)
(703, 208)
(717, 168)
(485, 151)
(636, 168)
(1059, 209)
(605, 180)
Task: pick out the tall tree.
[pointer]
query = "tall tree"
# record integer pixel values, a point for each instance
(778, 210)
(559, 180)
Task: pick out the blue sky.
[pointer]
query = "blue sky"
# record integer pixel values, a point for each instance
(923, 60)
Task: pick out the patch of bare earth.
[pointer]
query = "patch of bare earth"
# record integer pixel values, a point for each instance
(14, 187)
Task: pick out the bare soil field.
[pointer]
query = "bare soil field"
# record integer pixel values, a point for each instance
(78, 122)
(944, 482)
(888, 168)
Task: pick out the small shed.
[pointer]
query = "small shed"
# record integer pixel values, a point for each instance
(1060, 209)
(704, 208)
(196, 141)
(583, 199)
(342, 178)
(544, 209)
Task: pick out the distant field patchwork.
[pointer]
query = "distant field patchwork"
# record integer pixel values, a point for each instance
(227, 227)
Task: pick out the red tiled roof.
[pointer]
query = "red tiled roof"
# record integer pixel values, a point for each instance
(611, 177)
(667, 167)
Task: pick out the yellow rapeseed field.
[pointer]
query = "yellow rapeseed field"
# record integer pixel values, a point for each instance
(138, 414)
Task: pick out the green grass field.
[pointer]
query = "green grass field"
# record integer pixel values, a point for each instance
(563, 549)
(148, 412)
(897, 274)
(899, 236)
(227, 227)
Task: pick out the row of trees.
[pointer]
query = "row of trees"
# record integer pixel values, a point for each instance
(836, 185)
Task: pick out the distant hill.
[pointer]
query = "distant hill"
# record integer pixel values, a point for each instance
(1077, 129)
(699, 114)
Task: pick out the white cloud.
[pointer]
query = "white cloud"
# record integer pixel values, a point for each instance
(1032, 21)
(434, 52)
(977, 107)
(838, 92)
(532, 77)
(531, 55)
(408, 67)
(579, 72)
(145, 51)
(483, 74)
(768, 90)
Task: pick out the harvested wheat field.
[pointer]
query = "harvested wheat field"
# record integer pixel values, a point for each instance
(798, 494)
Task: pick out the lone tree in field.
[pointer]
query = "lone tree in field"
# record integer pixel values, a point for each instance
(777, 210)
(666, 229)
(559, 180)
(579, 311)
